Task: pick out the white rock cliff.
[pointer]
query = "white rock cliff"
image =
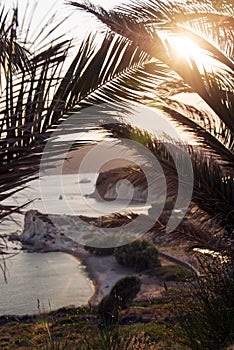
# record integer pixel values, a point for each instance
(40, 234)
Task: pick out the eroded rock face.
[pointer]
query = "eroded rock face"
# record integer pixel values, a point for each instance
(40, 234)
(128, 183)
(131, 184)
(36, 226)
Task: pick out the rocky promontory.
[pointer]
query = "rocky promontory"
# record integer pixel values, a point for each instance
(41, 235)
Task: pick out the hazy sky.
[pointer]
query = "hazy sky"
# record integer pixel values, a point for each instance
(78, 22)
(77, 25)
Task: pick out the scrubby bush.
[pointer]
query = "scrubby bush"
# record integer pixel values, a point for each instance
(206, 318)
(140, 255)
(126, 289)
(120, 296)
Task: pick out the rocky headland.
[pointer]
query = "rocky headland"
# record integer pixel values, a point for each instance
(40, 234)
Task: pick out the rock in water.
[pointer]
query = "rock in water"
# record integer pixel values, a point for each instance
(128, 183)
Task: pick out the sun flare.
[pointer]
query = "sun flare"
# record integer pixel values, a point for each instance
(186, 48)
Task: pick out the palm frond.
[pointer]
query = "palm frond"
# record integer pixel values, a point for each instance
(214, 138)
(28, 80)
(13, 55)
(124, 82)
(122, 73)
(135, 70)
(213, 190)
(149, 40)
(116, 58)
(133, 62)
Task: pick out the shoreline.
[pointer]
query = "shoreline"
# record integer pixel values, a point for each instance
(83, 257)
(41, 235)
(103, 272)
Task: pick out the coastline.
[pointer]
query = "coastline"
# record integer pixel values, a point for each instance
(83, 257)
(104, 272)
(41, 235)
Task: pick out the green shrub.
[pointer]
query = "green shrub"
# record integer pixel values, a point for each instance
(120, 296)
(126, 289)
(140, 255)
(174, 273)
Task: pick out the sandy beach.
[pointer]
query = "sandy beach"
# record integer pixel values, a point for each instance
(41, 235)
(104, 272)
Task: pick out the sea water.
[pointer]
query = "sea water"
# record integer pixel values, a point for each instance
(44, 281)
(38, 282)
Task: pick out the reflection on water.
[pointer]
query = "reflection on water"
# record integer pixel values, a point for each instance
(55, 279)
(67, 194)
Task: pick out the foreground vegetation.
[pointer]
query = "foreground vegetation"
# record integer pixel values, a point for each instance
(78, 329)
(193, 315)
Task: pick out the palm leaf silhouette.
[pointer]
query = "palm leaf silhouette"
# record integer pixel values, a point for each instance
(132, 62)
(142, 24)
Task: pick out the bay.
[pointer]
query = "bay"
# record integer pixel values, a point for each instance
(52, 279)
(38, 282)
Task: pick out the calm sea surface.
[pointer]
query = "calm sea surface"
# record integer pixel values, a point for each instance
(55, 279)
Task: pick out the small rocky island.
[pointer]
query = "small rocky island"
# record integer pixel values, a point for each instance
(123, 183)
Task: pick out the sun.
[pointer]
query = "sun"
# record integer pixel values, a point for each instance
(186, 48)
